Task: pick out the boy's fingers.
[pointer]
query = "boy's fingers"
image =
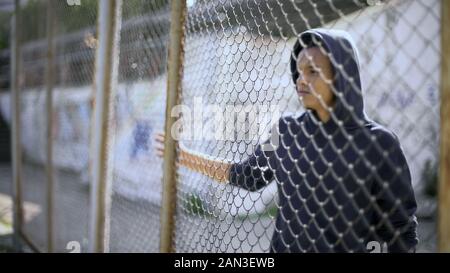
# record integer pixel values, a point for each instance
(159, 138)
(159, 145)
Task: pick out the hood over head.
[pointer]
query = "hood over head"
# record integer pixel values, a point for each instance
(347, 88)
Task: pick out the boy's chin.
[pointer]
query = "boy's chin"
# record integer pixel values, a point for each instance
(307, 106)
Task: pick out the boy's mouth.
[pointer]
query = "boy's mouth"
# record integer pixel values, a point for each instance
(303, 92)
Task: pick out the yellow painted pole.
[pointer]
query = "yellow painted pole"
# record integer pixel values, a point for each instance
(107, 63)
(174, 77)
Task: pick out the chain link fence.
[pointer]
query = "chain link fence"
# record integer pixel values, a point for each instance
(238, 53)
(139, 104)
(33, 117)
(74, 57)
(72, 65)
(301, 126)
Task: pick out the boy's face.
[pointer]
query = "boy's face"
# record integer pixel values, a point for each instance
(315, 79)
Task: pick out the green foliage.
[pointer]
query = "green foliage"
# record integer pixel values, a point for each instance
(194, 205)
(271, 211)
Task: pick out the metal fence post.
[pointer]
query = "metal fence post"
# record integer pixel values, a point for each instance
(174, 77)
(49, 118)
(444, 168)
(109, 24)
(15, 130)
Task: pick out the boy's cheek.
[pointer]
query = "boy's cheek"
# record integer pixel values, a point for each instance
(309, 101)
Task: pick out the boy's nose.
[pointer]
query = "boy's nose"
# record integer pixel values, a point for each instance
(301, 83)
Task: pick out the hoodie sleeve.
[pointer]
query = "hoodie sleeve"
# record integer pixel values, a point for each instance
(255, 172)
(395, 222)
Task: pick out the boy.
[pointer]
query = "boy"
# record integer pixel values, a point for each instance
(342, 179)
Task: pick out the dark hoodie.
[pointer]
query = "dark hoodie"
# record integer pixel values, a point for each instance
(343, 183)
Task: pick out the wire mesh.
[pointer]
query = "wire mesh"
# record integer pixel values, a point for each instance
(6, 215)
(6, 189)
(288, 141)
(73, 34)
(137, 171)
(341, 184)
(75, 45)
(32, 122)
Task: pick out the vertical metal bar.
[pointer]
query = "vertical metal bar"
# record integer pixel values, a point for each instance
(444, 168)
(174, 77)
(109, 23)
(15, 130)
(49, 118)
